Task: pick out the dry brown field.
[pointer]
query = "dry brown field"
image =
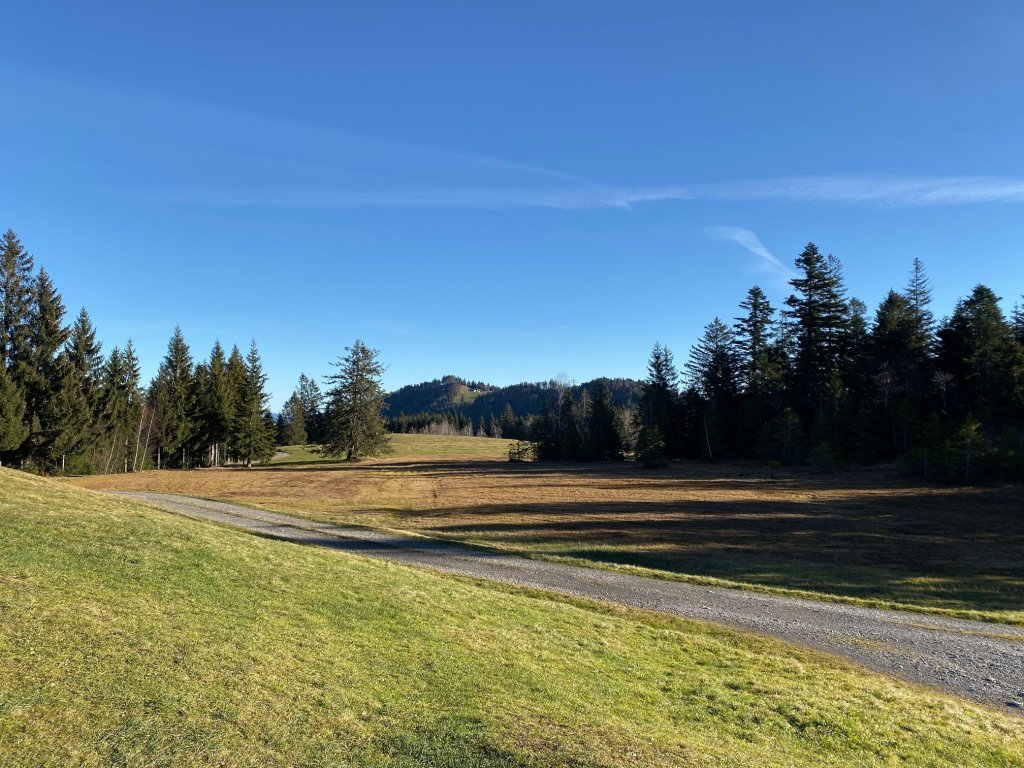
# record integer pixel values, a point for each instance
(864, 536)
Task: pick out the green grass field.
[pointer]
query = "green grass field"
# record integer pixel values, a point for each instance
(412, 447)
(866, 537)
(131, 637)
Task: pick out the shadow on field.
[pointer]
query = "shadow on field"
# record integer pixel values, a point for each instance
(951, 551)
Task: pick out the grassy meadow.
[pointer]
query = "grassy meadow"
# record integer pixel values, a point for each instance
(864, 537)
(133, 637)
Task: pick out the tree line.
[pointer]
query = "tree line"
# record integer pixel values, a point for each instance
(67, 408)
(818, 381)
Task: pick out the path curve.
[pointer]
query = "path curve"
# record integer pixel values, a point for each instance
(977, 660)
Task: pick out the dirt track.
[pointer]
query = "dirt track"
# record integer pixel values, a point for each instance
(976, 660)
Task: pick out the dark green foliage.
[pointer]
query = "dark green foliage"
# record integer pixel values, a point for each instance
(13, 429)
(312, 401)
(16, 289)
(659, 404)
(820, 317)
(253, 426)
(46, 373)
(173, 397)
(354, 423)
(605, 437)
(291, 424)
(447, 405)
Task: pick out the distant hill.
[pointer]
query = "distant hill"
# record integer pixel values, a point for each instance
(476, 400)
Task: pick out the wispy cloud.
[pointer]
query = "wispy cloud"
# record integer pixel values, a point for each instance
(749, 240)
(569, 193)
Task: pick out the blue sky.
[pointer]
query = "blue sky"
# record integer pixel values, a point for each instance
(506, 192)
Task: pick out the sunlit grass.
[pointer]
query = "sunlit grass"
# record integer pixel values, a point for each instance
(865, 538)
(134, 637)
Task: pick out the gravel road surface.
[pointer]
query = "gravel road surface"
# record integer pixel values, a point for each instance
(977, 660)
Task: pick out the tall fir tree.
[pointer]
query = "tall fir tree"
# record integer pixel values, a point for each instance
(13, 429)
(753, 333)
(254, 430)
(355, 426)
(45, 375)
(819, 314)
(658, 409)
(605, 439)
(292, 422)
(173, 397)
(312, 401)
(16, 286)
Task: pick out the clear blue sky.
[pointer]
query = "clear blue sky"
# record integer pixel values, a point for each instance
(502, 191)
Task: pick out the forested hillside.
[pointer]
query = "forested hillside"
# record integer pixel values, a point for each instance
(452, 405)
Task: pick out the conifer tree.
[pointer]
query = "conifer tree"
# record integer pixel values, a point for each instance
(254, 429)
(173, 396)
(919, 296)
(819, 314)
(292, 422)
(85, 361)
(753, 339)
(44, 376)
(714, 374)
(312, 400)
(13, 429)
(216, 405)
(605, 440)
(354, 423)
(16, 267)
(1018, 322)
(659, 403)
(977, 347)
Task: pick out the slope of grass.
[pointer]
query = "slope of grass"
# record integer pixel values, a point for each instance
(866, 538)
(132, 637)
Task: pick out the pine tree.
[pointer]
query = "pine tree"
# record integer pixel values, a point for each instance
(511, 427)
(85, 361)
(216, 405)
(16, 283)
(605, 440)
(254, 436)
(753, 332)
(293, 422)
(658, 405)
(13, 429)
(173, 397)
(819, 314)
(714, 365)
(44, 376)
(312, 407)
(919, 296)
(977, 347)
(354, 424)
(1018, 322)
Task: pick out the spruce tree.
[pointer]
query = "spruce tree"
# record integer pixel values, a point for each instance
(13, 429)
(173, 396)
(44, 376)
(605, 440)
(292, 430)
(16, 267)
(753, 340)
(216, 404)
(312, 401)
(659, 402)
(254, 428)
(85, 361)
(354, 423)
(819, 314)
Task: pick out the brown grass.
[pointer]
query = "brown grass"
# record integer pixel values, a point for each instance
(864, 535)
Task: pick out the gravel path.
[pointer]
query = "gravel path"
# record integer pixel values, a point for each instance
(979, 661)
